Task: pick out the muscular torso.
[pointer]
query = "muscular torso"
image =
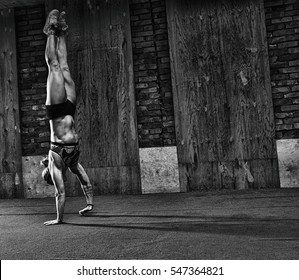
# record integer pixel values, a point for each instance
(63, 130)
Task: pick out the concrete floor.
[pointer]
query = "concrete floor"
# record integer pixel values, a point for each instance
(220, 225)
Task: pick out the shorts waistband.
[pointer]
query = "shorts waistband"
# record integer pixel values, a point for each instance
(64, 144)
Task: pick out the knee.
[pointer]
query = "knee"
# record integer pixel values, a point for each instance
(60, 194)
(87, 190)
(54, 65)
(65, 67)
(88, 186)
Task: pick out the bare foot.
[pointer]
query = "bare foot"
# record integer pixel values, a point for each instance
(88, 208)
(53, 222)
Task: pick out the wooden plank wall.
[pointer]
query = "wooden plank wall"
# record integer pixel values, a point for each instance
(100, 58)
(10, 139)
(222, 95)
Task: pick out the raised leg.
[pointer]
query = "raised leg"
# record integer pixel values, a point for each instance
(62, 57)
(55, 84)
(86, 186)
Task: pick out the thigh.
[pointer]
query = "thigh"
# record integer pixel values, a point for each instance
(56, 92)
(69, 83)
(57, 170)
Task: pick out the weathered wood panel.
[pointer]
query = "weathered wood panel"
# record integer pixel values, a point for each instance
(115, 180)
(100, 58)
(107, 95)
(10, 140)
(222, 94)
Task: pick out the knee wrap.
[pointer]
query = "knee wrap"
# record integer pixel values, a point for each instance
(54, 64)
(88, 191)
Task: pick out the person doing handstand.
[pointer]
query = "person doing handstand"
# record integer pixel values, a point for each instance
(60, 106)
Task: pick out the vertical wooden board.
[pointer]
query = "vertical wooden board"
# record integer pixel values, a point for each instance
(183, 177)
(107, 88)
(7, 185)
(216, 176)
(260, 174)
(11, 185)
(115, 180)
(97, 23)
(194, 75)
(208, 176)
(236, 60)
(192, 60)
(10, 138)
(10, 130)
(107, 180)
(245, 52)
(259, 105)
(127, 125)
(106, 114)
(131, 185)
(221, 82)
(266, 173)
(226, 170)
(264, 83)
(200, 177)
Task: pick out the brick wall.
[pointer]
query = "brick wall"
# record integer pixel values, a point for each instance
(282, 22)
(155, 115)
(32, 76)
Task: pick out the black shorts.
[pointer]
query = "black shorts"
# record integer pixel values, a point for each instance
(69, 152)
